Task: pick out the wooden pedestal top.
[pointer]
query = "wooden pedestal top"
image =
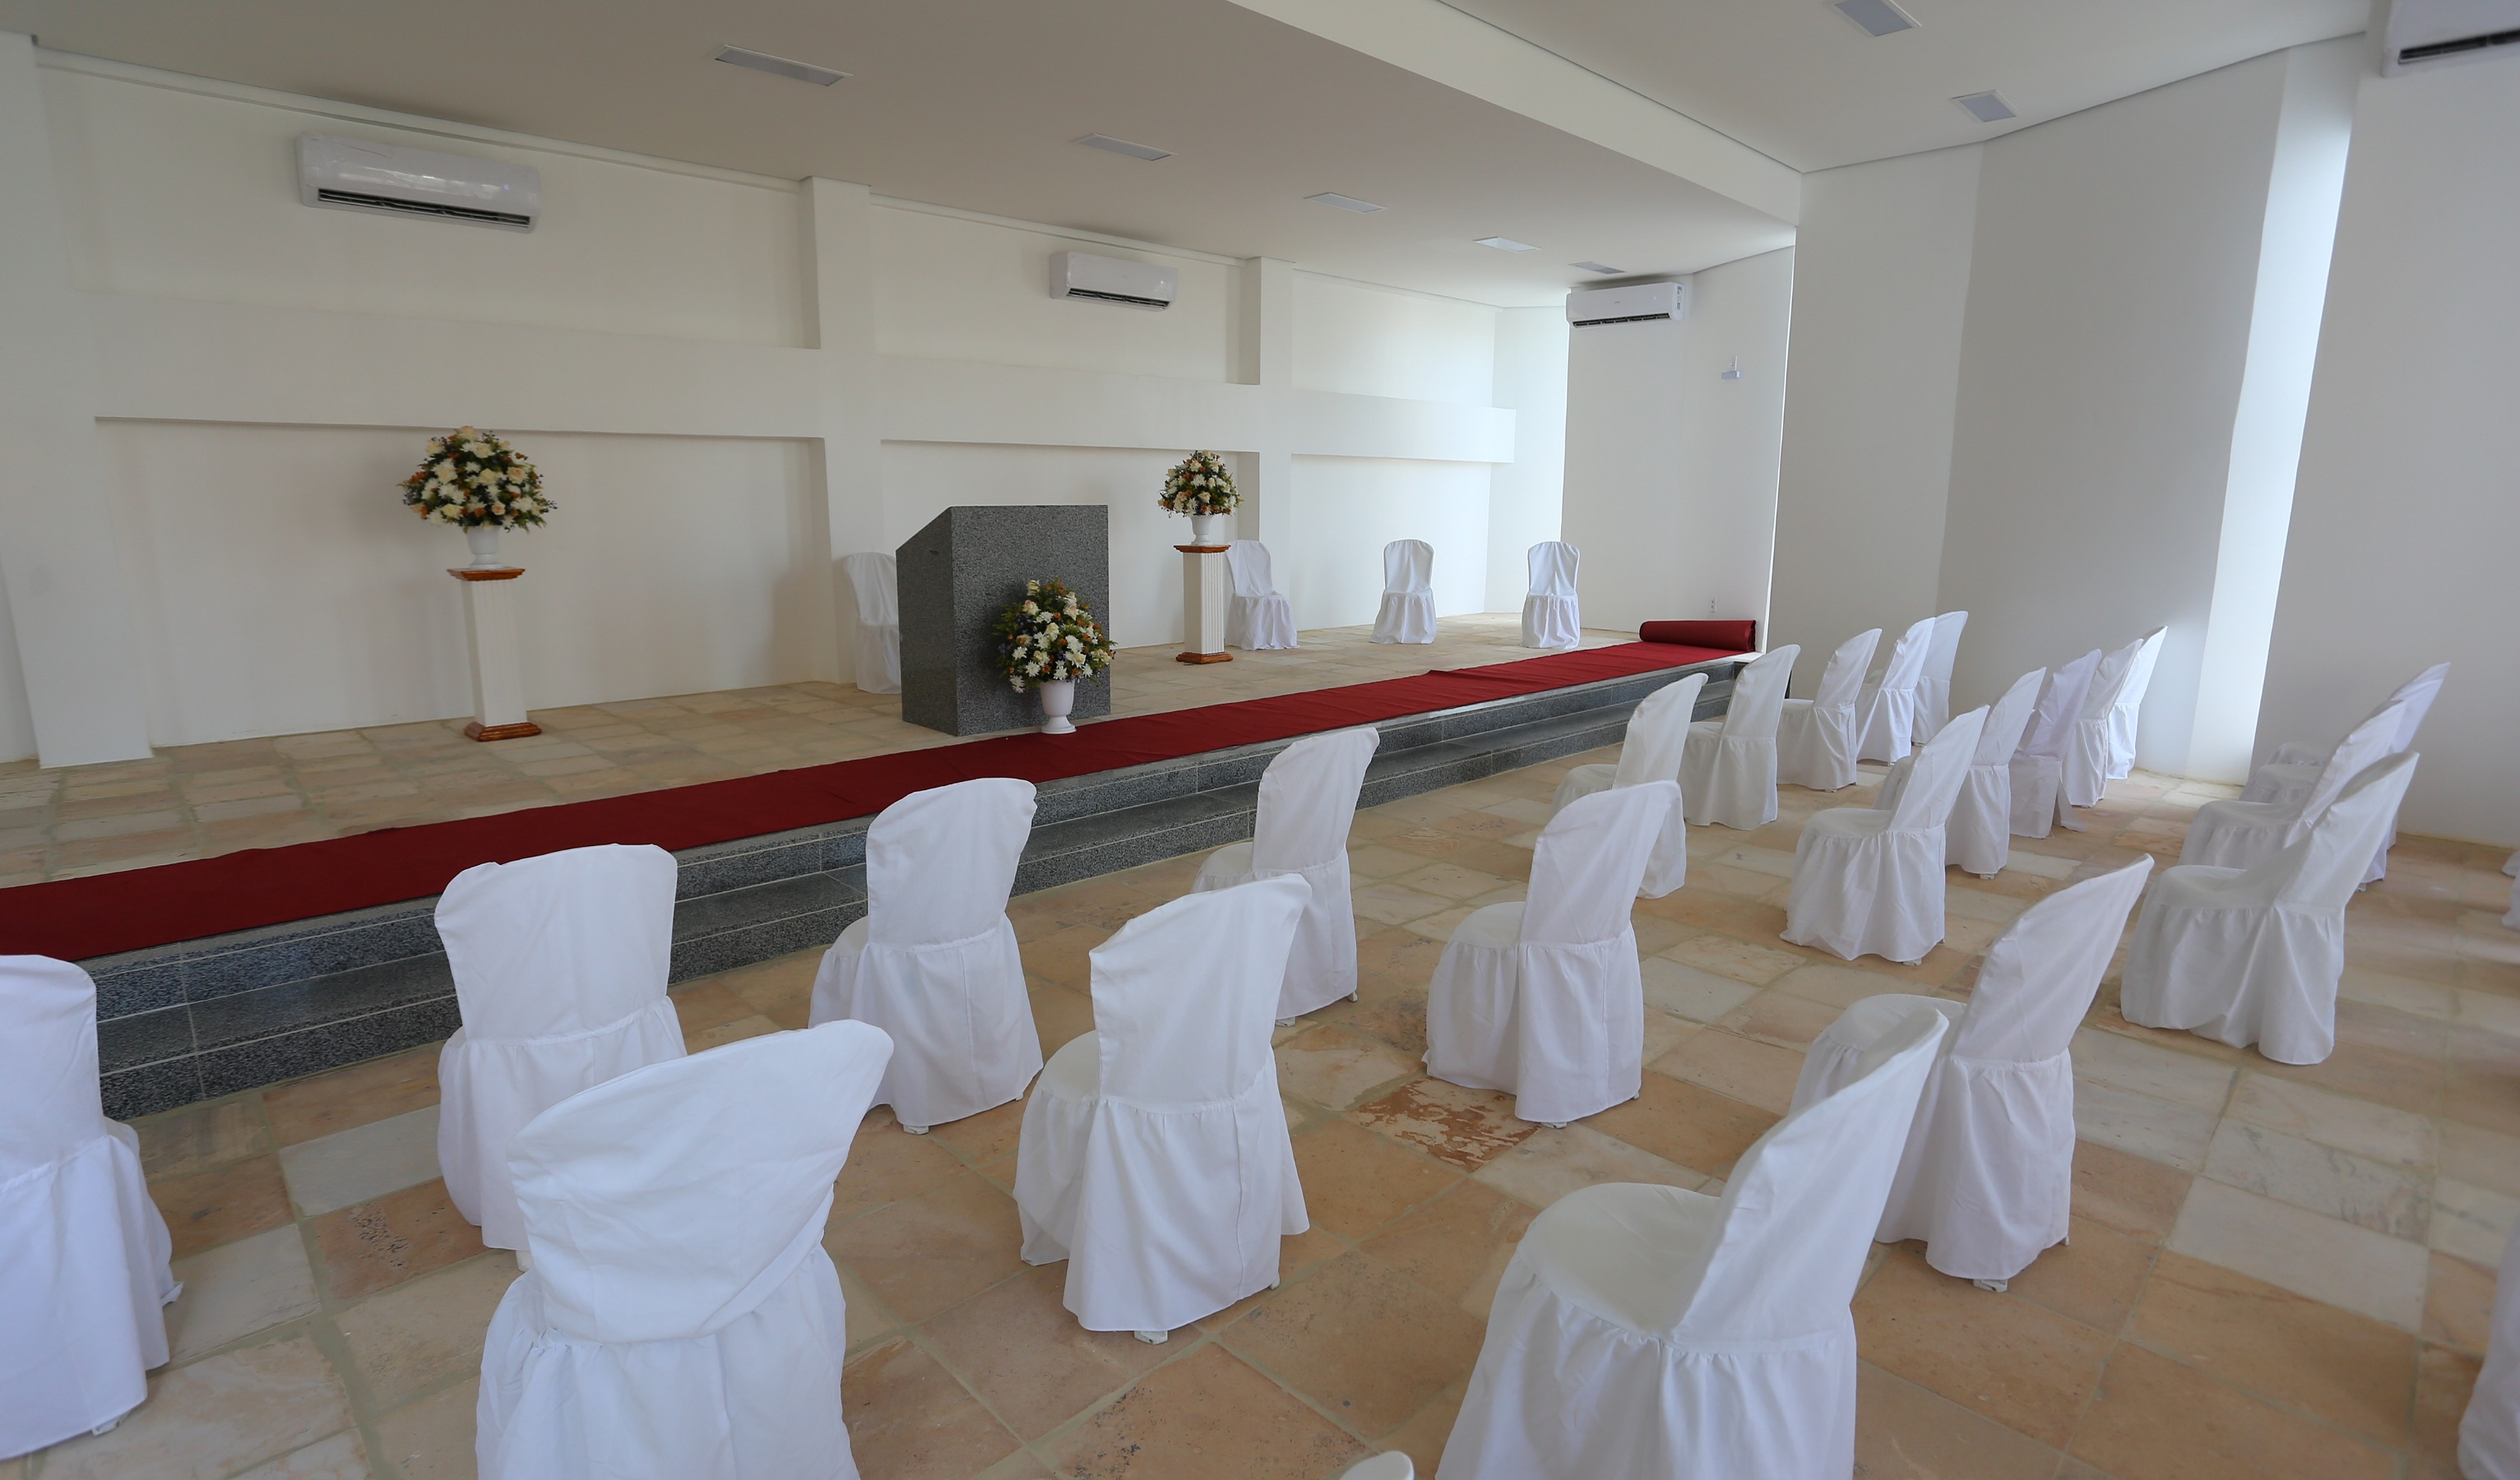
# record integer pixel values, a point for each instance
(1201, 548)
(502, 573)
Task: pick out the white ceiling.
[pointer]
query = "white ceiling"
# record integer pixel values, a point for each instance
(1802, 84)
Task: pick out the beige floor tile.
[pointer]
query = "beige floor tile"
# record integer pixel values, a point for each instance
(1206, 1416)
(402, 1235)
(1738, 959)
(2130, 1193)
(2154, 1419)
(1332, 1067)
(1550, 1163)
(1906, 1432)
(211, 1206)
(425, 1331)
(1023, 1354)
(1692, 992)
(1740, 1068)
(1356, 1181)
(377, 1089)
(431, 1439)
(2180, 1079)
(203, 1136)
(1685, 1124)
(933, 1250)
(2174, 1135)
(2327, 1259)
(238, 1288)
(362, 1163)
(2472, 1222)
(2375, 1194)
(2338, 1367)
(2348, 1124)
(1461, 1127)
(215, 1416)
(1362, 1341)
(343, 1456)
(1457, 1244)
(2007, 1359)
(2093, 1277)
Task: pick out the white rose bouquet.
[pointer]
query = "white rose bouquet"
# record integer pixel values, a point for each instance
(471, 479)
(1199, 484)
(1050, 635)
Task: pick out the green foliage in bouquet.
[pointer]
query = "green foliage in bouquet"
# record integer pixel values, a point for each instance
(1199, 484)
(471, 478)
(1050, 635)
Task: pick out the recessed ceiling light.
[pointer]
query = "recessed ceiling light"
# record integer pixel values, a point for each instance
(780, 66)
(1345, 202)
(1146, 152)
(1506, 244)
(1881, 17)
(1603, 268)
(1986, 107)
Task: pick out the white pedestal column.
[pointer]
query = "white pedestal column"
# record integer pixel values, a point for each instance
(1204, 586)
(498, 671)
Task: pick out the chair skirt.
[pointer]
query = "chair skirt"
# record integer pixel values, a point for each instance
(2038, 784)
(1405, 616)
(876, 653)
(1259, 623)
(1816, 746)
(83, 1280)
(1560, 1028)
(1727, 781)
(959, 1013)
(1551, 621)
(1888, 722)
(1865, 891)
(2231, 834)
(1979, 835)
(2237, 972)
(1321, 968)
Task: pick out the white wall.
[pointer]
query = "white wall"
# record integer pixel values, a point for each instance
(16, 718)
(1352, 507)
(2407, 509)
(1526, 496)
(1360, 339)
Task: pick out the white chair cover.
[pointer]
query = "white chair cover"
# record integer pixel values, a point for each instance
(1551, 617)
(1978, 837)
(1934, 685)
(2130, 706)
(2294, 771)
(1648, 1331)
(2511, 867)
(1728, 767)
(559, 974)
(2252, 955)
(2489, 1435)
(875, 646)
(1307, 802)
(1650, 751)
(1870, 880)
(1257, 618)
(2087, 749)
(1545, 1000)
(2039, 771)
(1392, 1464)
(2237, 834)
(82, 1250)
(1155, 1156)
(934, 963)
(1988, 1176)
(1887, 708)
(680, 1318)
(1816, 735)
(1408, 613)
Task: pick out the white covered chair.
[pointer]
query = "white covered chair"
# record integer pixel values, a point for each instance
(875, 646)
(934, 963)
(1978, 837)
(2488, 1433)
(2511, 866)
(1408, 613)
(1392, 1464)
(1551, 617)
(1934, 684)
(2087, 749)
(2039, 769)
(83, 1274)
(1257, 618)
(2294, 771)
(1815, 737)
(1988, 1176)
(2252, 956)
(2235, 834)
(1728, 767)
(1650, 751)
(1155, 1156)
(1886, 710)
(1544, 999)
(2128, 709)
(1649, 1332)
(680, 1317)
(1307, 803)
(1869, 881)
(559, 968)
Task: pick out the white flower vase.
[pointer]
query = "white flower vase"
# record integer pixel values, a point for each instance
(1211, 529)
(1057, 703)
(485, 540)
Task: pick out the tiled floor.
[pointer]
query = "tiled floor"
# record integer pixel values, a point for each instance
(200, 802)
(2274, 1272)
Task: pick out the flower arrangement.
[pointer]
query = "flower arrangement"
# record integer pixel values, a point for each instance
(1199, 484)
(1050, 636)
(471, 478)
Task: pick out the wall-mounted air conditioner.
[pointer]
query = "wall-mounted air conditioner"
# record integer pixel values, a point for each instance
(357, 174)
(2423, 34)
(1641, 303)
(1113, 280)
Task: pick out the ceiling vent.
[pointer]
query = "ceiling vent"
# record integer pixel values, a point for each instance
(2424, 35)
(1113, 280)
(1642, 303)
(356, 174)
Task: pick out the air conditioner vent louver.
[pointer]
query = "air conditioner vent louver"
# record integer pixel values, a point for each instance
(423, 209)
(2439, 49)
(362, 174)
(1131, 300)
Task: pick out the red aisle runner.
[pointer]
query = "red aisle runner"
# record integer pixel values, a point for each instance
(74, 918)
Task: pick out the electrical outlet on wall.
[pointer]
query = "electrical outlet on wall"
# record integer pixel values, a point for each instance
(1710, 608)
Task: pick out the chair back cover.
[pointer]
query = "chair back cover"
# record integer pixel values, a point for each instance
(1408, 568)
(2060, 705)
(2110, 679)
(2122, 719)
(1795, 1221)
(669, 1201)
(2008, 719)
(1166, 1046)
(1247, 562)
(1590, 860)
(1842, 683)
(2367, 743)
(2040, 976)
(49, 1101)
(874, 585)
(1759, 694)
(1908, 656)
(1308, 799)
(940, 864)
(2417, 695)
(561, 943)
(1554, 565)
(1944, 650)
(1658, 734)
(1934, 777)
(2323, 866)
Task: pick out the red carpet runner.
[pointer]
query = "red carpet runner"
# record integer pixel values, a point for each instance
(98, 916)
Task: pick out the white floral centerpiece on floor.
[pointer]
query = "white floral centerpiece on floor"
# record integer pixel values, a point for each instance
(1050, 639)
(476, 481)
(1198, 485)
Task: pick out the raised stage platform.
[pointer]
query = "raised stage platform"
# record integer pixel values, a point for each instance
(220, 974)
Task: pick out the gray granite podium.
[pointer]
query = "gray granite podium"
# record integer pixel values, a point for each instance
(957, 575)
